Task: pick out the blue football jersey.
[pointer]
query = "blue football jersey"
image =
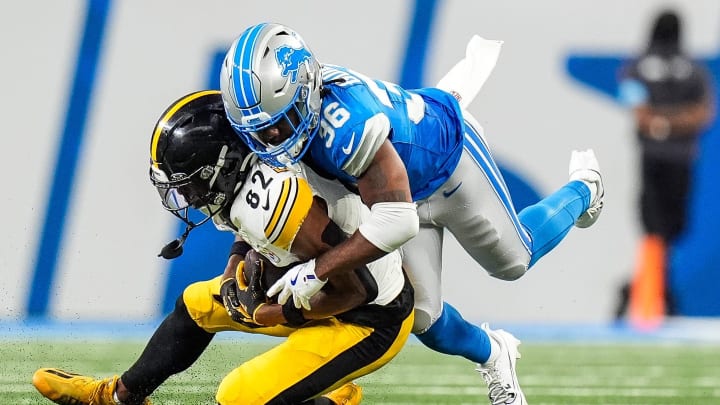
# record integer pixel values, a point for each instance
(357, 115)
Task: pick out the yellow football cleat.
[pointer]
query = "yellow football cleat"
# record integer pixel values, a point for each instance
(348, 394)
(66, 388)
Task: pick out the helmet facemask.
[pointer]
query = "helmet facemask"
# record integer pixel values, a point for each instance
(209, 189)
(298, 116)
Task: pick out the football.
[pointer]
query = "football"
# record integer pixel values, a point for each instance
(270, 273)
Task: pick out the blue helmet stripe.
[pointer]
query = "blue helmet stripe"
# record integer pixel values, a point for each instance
(242, 64)
(475, 145)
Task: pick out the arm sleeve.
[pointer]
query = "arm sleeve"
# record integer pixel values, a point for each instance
(390, 225)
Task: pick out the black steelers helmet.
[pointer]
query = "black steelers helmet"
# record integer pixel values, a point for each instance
(196, 161)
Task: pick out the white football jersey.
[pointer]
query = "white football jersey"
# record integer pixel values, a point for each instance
(272, 205)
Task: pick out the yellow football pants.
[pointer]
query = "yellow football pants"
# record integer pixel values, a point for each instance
(315, 359)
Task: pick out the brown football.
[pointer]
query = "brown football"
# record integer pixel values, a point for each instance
(270, 274)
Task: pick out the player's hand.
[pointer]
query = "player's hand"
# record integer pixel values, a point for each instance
(250, 295)
(240, 299)
(229, 294)
(301, 282)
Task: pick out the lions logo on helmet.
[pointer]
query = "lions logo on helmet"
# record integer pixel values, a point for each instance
(290, 60)
(269, 77)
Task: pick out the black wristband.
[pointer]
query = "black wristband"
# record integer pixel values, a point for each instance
(239, 248)
(293, 316)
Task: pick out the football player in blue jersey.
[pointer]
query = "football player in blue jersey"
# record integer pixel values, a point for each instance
(420, 162)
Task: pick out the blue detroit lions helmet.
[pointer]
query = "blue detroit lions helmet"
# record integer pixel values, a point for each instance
(269, 75)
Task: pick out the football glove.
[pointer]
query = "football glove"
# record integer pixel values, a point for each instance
(240, 298)
(250, 295)
(300, 282)
(228, 292)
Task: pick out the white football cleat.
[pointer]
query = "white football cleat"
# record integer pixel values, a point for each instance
(584, 167)
(500, 375)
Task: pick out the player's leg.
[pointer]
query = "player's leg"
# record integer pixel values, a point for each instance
(182, 338)
(480, 214)
(317, 358)
(439, 327)
(475, 207)
(174, 346)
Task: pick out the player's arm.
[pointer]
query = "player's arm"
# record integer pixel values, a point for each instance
(342, 292)
(685, 119)
(228, 285)
(385, 188)
(237, 254)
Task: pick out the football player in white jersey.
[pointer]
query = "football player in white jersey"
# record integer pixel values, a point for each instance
(422, 164)
(358, 323)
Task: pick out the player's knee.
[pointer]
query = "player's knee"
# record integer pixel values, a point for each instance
(197, 298)
(423, 321)
(241, 387)
(181, 317)
(435, 337)
(223, 397)
(229, 391)
(510, 273)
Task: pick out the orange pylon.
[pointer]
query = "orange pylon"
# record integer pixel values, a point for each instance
(647, 290)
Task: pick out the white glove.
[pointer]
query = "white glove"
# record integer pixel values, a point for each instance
(301, 282)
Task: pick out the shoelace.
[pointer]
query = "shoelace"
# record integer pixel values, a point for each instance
(497, 393)
(96, 396)
(592, 211)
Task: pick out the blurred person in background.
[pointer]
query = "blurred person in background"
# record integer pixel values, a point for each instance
(670, 96)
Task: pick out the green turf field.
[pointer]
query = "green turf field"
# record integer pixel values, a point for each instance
(577, 374)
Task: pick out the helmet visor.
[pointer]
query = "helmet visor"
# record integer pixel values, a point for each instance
(181, 192)
(172, 199)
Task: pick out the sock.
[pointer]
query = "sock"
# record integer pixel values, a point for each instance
(494, 350)
(174, 347)
(451, 334)
(593, 190)
(550, 219)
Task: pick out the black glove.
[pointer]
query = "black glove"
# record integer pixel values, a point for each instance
(228, 292)
(242, 299)
(250, 294)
